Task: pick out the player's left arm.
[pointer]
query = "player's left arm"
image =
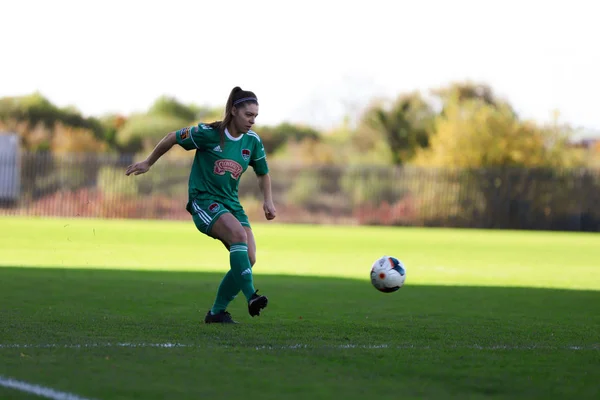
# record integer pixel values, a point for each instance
(261, 168)
(264, 183)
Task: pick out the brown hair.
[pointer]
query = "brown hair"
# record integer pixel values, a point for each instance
(237, 98)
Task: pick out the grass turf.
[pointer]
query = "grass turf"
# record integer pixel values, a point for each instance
(114, 312)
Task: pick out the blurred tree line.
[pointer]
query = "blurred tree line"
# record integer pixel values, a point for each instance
(486, 165)
(463, 124)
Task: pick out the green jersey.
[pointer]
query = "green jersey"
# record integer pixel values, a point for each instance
(217, 169)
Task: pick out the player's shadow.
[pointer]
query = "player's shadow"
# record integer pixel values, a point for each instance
(49, 305)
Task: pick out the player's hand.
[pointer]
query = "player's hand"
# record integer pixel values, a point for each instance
(269, 209)
(138, 168)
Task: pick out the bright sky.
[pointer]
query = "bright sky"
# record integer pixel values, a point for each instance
(308, 61)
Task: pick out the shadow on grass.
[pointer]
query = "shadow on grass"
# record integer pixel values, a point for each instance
(140, 335)
(69, 305)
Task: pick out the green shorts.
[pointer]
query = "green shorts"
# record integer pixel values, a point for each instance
(206, 212)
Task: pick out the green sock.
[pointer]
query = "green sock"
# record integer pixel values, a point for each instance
(228, 289)
(242, 270)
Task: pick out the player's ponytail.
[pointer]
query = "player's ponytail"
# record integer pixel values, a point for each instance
(238, 98)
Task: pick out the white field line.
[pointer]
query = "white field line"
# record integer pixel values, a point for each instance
(298, 346)
(38, 390)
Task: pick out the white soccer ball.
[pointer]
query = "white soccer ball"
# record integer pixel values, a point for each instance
(388, 274)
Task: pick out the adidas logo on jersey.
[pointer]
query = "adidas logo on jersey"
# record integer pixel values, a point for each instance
(218, 148)
(246, 271)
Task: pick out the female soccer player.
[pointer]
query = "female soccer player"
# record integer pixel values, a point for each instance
(224, 150)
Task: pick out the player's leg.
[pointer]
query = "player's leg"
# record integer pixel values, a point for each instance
(251, 245)
(215, 220)
(205, 214)
(256, 302)
(229, 230)
(238, 212)
(229, 288)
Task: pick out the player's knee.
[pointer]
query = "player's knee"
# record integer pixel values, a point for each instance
(238, 236)
(252, 257)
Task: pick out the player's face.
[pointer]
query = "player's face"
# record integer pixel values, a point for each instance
(244, 117)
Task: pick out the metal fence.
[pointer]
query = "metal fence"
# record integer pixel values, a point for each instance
(91, 185)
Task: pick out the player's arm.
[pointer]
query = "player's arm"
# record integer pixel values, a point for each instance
(264, 183)
(161, 148)
(188, 138)
(261, 168)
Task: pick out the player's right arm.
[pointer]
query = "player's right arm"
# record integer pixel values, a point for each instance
(161, 148)
(190, 138)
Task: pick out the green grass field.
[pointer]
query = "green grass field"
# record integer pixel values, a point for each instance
(113, 310)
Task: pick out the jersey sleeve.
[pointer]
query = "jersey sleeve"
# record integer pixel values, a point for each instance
(259, 158)
(191, 138)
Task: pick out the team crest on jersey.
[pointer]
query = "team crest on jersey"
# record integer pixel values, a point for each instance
(184, 133)
(234, 168)
(245, 154)
(214, 207)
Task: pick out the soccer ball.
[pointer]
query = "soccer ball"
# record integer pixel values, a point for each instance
(388, 274)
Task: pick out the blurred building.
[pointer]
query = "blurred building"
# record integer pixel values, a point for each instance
(10, 174)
